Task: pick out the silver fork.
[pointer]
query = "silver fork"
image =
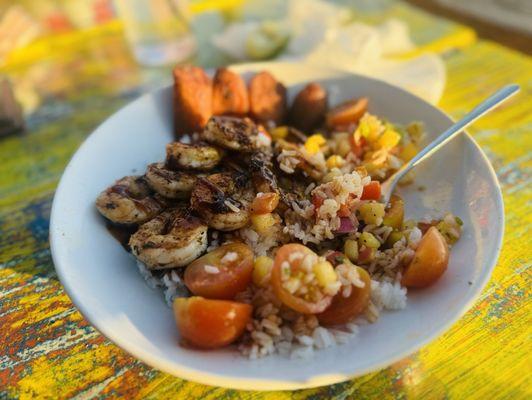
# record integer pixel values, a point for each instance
(487, 105)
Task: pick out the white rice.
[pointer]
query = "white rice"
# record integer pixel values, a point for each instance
(388, 296)
(231, 206)
(387, 263)
(414, 237)
(288, 161)
(170, 283)
(211, 269)
(229, 257)
(277, 329)
(261, 245)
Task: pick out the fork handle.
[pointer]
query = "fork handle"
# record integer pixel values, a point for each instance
(491, 102)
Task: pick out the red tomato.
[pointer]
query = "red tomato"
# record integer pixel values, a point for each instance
(349, 112)
(372, 191)
(296, 303)
(210, 324)
(344, 309)
(265, 203)
(429, 262)
(233, 277)
(317, 201)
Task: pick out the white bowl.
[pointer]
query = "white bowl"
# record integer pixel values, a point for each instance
(103, 282)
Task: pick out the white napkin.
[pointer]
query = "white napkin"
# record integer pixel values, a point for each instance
(325, 34)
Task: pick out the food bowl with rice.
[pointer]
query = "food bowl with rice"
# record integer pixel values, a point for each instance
(257, 229)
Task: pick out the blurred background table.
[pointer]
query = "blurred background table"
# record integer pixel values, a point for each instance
(69, 84)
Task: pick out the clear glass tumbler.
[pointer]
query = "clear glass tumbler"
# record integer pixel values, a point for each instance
(158, 31)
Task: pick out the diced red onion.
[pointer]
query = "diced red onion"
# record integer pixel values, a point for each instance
(346, 225)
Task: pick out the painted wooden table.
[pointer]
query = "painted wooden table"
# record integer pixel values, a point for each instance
(47, 349)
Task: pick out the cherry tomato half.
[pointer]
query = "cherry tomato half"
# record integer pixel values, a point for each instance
(429, 262)
(296, 303)
(210, 324)
(221, 273)
(347, 113)
(345, 309)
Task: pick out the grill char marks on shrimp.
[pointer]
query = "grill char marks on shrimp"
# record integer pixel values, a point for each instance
(200, 156)
(231, 133)
(261, 167)
(172, 239)
(169, 183)
(128, 201)
(223, 200)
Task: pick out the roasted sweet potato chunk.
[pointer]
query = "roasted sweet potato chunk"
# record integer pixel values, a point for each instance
(267, 99)
(309, 107)
(192, 99)
(229, 94)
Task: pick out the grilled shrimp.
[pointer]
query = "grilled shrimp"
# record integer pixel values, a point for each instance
(223, 200)
(168, 183)
(231, 133)
(261, 168)
(129, 201)
(199, 156)
(172, 239)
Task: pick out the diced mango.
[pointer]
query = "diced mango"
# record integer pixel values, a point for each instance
(279, 133)
(389, 139)
(394, 237)
(265, 203)
(368, 240)
(325, 273)
(351, 249)
(261, 270)
(314, 142)
(372, 213)
(370, 127)
(395, 214)
(335, 161)
(262, 223)
(408, 151)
